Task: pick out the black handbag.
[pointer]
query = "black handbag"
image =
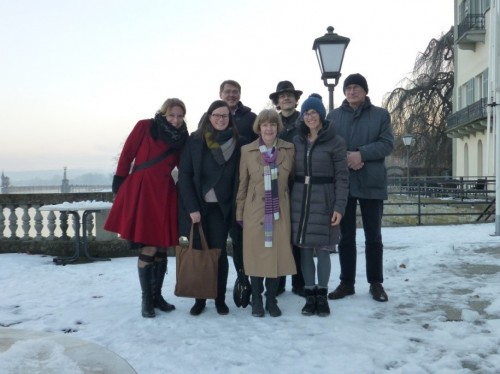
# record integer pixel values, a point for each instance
(242, 291)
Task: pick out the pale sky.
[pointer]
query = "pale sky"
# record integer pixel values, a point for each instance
(77, 75)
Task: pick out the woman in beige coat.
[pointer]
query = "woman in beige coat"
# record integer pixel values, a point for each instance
(263, 210)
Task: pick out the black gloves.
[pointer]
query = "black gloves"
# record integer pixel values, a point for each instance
(117, 182)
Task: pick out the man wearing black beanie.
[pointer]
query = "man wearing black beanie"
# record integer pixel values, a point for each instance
(367, 131)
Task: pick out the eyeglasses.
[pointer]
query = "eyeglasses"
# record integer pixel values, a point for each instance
(219, 116)
(311, 113)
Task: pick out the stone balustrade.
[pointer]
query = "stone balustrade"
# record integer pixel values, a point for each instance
(24, 228)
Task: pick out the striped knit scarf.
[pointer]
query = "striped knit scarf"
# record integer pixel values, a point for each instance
(271, 199)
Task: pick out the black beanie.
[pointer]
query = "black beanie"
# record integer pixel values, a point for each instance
(356, 79)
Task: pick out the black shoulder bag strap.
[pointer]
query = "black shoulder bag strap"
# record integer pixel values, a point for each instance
(153, 161)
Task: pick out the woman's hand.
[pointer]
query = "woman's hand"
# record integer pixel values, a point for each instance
(195, 217)
(336, 218)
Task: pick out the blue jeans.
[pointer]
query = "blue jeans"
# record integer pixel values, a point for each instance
(371, 214)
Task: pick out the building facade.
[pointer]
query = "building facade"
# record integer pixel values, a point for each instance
(472, 124)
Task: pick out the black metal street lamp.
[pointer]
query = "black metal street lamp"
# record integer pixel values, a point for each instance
(407, 141)
(330, 49)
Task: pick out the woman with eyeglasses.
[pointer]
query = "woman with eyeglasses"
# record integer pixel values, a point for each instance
(144, 210)
(207, 185)
(319, 198)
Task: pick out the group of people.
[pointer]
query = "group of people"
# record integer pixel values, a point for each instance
(284, 186)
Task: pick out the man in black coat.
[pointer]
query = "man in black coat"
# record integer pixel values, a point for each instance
(230, 92)
(286, 100)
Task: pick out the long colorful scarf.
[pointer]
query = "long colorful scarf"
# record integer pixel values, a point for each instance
(271, 199)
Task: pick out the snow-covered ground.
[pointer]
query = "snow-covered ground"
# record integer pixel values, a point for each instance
(443, 314)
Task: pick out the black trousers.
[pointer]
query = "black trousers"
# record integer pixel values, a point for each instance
(236, 233)
(371, 214)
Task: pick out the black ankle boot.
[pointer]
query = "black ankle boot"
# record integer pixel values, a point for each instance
(310, 308)
(322, 307)
(271, 302)
(272, 306)
(145, 276)
(159, 270)
(220, 305)
(257, 306)
(198, 307)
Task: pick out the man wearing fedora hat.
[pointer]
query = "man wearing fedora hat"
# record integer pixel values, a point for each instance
(286, 100)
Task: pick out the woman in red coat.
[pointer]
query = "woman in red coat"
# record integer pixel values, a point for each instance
(145, 207)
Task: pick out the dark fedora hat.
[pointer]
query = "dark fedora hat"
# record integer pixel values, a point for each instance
(284, 86)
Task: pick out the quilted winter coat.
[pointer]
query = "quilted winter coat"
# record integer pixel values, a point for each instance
(258, 260)
(321, 187)
(145, 207)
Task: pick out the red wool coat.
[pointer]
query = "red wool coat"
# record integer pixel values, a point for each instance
(145, 207)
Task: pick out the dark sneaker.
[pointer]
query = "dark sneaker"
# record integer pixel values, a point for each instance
(378, 293)
(198, 307)
(341, 291)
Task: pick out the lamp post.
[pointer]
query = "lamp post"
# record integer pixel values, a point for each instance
(330, 49)
(407, 140)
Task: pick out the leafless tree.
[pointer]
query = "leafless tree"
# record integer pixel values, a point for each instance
(422, 103)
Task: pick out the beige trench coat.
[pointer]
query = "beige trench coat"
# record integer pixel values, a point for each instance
(258, 260)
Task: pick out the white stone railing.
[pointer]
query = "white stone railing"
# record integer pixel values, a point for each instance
(21, 218)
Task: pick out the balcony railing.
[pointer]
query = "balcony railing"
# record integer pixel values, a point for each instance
(471, 30)
(471, 22)
(468, 120)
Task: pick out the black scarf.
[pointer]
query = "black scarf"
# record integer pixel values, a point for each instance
(164, 130)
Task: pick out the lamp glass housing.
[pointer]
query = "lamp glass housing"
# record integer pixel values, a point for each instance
(330, 57)
(407, 139)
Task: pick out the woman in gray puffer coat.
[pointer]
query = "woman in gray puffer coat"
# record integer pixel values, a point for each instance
(319, 198)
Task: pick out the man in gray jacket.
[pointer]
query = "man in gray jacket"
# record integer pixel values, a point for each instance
(367, 131)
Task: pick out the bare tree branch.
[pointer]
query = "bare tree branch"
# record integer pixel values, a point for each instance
(422, 104)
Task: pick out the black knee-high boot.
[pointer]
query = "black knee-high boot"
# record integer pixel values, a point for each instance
(159, 271)
(257, 289)
(145, 277)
